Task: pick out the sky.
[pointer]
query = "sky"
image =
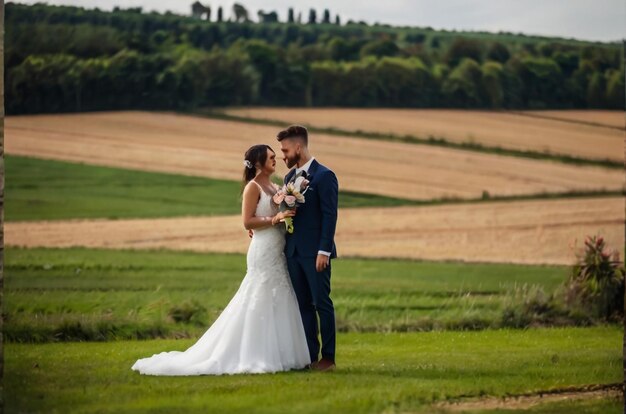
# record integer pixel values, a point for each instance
(597, 20)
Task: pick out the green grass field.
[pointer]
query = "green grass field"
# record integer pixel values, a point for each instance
(74, 294)
(38, 189)
(411, 333)
(397, 372)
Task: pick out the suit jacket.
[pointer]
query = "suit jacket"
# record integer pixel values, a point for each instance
(316, 219)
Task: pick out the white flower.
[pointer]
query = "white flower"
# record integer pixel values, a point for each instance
(298, 183)
(247, 164)
(299, 197)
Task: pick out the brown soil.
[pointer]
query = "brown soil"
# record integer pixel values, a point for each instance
(613, 119)
(212, 148)
(529, 232)
(494, 129)
(524, 402)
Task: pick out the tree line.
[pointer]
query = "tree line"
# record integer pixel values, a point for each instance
(64, 59)
(241, 14)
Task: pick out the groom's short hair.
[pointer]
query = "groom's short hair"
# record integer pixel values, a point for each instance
(294, 131)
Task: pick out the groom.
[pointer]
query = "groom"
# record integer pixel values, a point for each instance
(311, 246)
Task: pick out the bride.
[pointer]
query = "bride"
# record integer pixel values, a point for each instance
(260, 330)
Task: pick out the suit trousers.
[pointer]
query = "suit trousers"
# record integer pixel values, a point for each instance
(312, 290)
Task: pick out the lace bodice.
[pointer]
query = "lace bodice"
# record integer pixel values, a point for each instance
(268, 243)
(265, 206)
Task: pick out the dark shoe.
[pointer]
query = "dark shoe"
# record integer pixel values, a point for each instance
(323, 365)
(305, 368)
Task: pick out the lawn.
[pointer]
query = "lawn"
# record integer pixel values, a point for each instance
(91, 294)
(377, 372)
(410, 332)
(38, 189)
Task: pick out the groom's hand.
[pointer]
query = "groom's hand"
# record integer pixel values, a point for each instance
(322, 262)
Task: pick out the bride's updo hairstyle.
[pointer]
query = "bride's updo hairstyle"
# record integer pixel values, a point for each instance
(255, 154)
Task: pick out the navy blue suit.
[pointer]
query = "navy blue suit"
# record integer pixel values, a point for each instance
(314, 229)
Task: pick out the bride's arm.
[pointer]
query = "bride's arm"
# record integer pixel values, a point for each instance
(251, 194)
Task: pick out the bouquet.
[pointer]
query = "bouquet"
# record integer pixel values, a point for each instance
(290, 196)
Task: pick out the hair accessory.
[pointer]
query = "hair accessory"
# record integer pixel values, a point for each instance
(247, 164)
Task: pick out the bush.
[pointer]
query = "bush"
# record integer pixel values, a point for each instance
(188, 312)
(530, 306)
(596, 284)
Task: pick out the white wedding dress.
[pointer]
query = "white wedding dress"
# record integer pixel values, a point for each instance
(259, 331)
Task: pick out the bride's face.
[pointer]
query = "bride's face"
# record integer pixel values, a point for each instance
(270, 163)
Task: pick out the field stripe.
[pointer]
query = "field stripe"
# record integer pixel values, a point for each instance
(529, 400)
(525, 232)
(578, 117)
(196, 146)
(487, 131)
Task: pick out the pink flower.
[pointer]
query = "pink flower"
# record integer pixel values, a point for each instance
(279, 197)
(290, 200)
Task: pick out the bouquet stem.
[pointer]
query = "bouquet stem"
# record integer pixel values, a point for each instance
(289, 224)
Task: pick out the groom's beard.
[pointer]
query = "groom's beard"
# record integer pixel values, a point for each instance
(291, 162)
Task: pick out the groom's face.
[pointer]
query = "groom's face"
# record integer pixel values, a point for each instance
(291, 149)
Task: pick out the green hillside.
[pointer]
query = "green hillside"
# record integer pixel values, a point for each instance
(64, 59)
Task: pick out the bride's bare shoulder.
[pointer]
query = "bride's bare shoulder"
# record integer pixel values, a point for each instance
(252, 188)
(253, 184)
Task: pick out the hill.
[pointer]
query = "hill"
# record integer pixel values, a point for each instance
(67, 59)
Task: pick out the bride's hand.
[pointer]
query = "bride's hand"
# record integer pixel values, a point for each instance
(282, 215)
(287, 213)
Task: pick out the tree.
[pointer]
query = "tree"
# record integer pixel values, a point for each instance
(567, 61)
(596, 91)
(346, 84)
(240, 13)
(493, 82)
(602, 58)
(220, 14)
(379, 48)
(542, 80)
(271, 17)
(42, 84)
(205, 36)
(338, 48)
(312, 16)
(463, 87)
(215, 78)
(404, 82)
(290, 18)
(615, 89)
(337, 20)
(326, 19)
(547, 49)
(463, 48)
(342, 50)
(199, 11)
(415, 37)
(74, 59)
(498, 52)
